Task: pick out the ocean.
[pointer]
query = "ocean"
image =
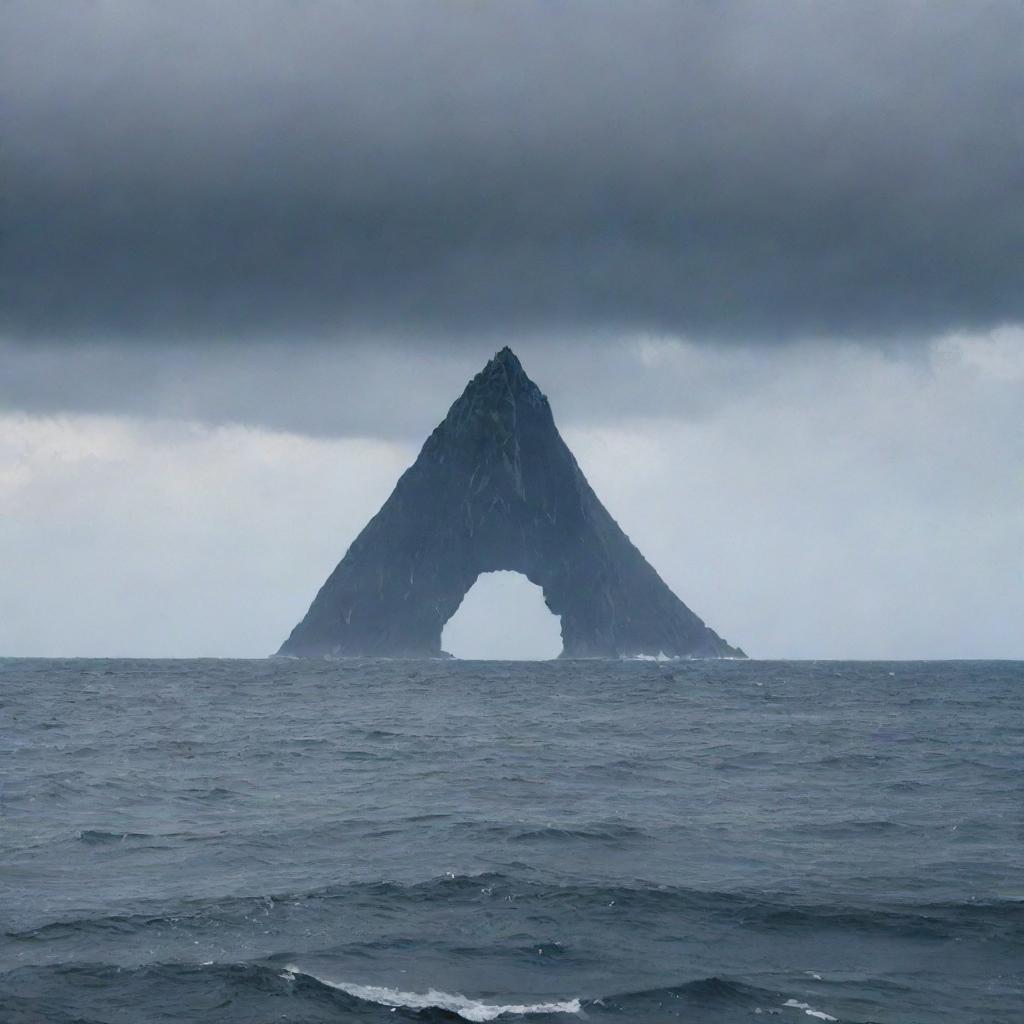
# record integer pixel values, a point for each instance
(709, 842)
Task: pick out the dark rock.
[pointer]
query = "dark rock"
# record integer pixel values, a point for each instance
(495, 487)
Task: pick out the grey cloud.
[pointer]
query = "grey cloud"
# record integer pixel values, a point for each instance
(351, 391)
(396, 390)
(297, 170)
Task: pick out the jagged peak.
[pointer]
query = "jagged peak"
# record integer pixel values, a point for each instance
(505, 365)
(503, 375)
(507, 358)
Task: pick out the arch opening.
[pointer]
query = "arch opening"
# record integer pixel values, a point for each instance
(503, 617)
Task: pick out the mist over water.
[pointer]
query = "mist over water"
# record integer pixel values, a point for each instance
(435, 841)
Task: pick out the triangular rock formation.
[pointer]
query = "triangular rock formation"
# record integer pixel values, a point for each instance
(495, 487)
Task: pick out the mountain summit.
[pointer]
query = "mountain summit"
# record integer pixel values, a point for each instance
(495, 487)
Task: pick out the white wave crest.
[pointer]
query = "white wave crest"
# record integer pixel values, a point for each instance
(468, 1009)
(809, 1010)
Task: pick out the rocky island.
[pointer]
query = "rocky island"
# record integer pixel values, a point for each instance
(495, 487)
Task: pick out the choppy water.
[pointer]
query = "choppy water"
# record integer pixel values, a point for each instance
(709, 842)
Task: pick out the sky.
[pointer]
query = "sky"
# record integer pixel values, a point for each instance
(765, 261)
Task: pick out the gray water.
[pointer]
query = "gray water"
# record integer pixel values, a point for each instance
(257, 841)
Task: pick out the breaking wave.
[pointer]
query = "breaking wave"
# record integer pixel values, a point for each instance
(468, 1009)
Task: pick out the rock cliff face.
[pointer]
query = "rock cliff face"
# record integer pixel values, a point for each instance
(495, 487)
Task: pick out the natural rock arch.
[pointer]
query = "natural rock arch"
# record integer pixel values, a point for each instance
(496, 487)
(503, 617)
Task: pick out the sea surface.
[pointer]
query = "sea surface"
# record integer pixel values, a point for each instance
(708, 842)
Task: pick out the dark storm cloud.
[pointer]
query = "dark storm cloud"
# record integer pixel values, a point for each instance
(306, 169)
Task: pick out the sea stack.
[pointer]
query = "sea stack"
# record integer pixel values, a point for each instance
(496, 487)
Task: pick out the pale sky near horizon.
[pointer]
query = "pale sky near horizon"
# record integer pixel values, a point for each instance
(824, 504)
(763, 260)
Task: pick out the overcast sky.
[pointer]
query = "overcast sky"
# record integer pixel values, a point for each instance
(765, 259)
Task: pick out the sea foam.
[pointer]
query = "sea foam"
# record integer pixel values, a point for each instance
(809, 1010)
(468, 1009)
